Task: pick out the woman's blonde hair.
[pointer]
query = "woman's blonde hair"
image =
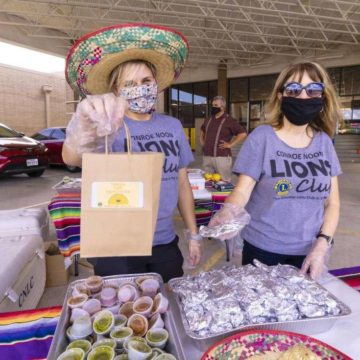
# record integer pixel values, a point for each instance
(329, 116)
(127, 69)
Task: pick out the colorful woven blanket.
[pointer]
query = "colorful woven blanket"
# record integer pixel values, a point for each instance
(204, 209)
(65, 212)
(202, 215)
(350, 275)
(27, 335)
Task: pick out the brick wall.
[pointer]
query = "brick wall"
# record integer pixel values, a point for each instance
(22, 100)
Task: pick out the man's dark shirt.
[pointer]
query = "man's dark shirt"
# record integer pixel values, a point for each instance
(229, 128)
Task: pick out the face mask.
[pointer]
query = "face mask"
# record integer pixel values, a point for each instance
(141, 99)
(301, 111)
(215, 110)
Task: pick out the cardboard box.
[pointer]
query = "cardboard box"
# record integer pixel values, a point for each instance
(56, 274)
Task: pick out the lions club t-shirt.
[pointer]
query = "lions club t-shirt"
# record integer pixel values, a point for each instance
(292, 185)
(160, 134)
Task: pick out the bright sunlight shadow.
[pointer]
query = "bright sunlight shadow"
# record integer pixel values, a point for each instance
(21, 57)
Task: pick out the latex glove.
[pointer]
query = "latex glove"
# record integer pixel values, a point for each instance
(96, 116)
(195, 252)
(195, 247)
(232, 215)
(317, 259)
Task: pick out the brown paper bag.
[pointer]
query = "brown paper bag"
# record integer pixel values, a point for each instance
(125, 230)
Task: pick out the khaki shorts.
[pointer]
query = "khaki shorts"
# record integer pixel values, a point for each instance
(218, 164)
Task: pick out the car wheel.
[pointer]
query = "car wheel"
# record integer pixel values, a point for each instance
(72, 169)
(35, 173)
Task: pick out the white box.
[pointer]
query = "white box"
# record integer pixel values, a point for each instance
(197, 181)
(202, 195)
(34, 221)
(22, 272)
(195, 171)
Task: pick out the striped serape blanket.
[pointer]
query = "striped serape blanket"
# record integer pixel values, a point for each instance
(65, 212)
(350, 275)
(202, 214)
(220, 196)
(27, 335)
(204, 209)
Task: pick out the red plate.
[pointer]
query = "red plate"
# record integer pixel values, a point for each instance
(245, 344)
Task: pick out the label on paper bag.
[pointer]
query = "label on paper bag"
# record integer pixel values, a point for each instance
(127, 194)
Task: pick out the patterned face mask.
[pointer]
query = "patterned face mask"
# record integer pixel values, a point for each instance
(141, 99)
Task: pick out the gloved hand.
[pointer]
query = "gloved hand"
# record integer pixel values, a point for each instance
(195, 247)
(227, 222)
(317, 259)
(96, 116)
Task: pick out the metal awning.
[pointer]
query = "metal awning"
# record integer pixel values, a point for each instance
(236, 32)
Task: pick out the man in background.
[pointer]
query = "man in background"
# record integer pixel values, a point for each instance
(219, 133)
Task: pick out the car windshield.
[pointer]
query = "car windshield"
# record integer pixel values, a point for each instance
(8, 133)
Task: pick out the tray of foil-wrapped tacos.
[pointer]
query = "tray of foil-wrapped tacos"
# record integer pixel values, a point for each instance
(231, 299)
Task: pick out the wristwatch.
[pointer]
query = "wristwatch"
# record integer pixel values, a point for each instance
(329, 239)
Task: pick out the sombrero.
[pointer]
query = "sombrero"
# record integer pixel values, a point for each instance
(92, 58)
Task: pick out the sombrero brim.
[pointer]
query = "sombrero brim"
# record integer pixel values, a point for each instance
(93, 57)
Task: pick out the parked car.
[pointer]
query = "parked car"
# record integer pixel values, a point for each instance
(21, 154)
(53, 138)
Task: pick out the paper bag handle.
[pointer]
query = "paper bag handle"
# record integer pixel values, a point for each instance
(128, 141)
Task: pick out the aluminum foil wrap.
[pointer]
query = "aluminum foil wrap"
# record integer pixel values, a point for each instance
(219, 230)
(225, 299)
(68, 184)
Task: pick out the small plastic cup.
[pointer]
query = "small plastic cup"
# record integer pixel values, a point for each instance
(80, 344)
(121, 335)
(72, 354)
(120, 321)
(103, 322)
(105, 342)
(157, 337)
(139, 324)
(101, 352)
(137, 350)
(143, 305)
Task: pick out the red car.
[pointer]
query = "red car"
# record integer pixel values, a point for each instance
(21, 154)
(53, 138)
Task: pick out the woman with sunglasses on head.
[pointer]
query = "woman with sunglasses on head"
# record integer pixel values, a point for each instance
(288, 172)
(119, 72)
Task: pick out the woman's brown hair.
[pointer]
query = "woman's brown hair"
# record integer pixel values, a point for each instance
(329, 116)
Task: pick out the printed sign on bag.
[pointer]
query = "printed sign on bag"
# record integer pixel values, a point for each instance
(129, 194)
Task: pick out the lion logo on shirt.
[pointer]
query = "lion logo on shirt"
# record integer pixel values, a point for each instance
(282, 187)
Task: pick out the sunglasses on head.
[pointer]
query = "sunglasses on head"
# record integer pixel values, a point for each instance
(294, 89)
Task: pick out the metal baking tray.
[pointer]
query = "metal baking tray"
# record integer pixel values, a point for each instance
(60, 340)
(316, 324)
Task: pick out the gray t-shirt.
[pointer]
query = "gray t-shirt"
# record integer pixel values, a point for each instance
(292, 185)
(161, 134)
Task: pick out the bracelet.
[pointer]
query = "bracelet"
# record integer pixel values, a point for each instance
(329, 239)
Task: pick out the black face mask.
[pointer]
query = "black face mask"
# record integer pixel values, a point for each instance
(301, 111)
(215, 110)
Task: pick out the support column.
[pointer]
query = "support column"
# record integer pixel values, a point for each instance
(47, 89)
(222, 79)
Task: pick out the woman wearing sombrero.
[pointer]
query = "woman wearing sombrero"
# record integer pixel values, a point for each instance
(120, 70)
